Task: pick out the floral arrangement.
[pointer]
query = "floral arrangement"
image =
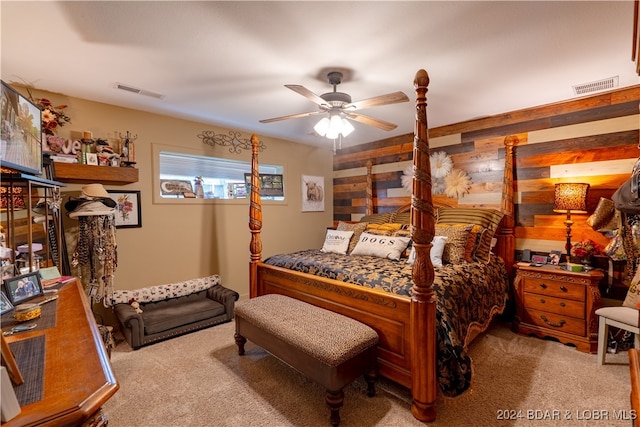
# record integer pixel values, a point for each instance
(52, 117)
(586, 249)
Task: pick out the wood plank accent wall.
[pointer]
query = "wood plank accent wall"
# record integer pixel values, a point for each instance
(591, 139)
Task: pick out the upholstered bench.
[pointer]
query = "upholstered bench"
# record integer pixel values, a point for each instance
(328, 347)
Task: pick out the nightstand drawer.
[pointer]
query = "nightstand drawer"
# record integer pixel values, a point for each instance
(555, 288)
(565, 307)
(556, 322)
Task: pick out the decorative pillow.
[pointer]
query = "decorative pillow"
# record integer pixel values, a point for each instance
(379, 218)
(486, 218)
(337, 242)
(356, 227)
(437, 249)
(473, 239)
(454, 249)
(615, 248)
(633, 294)
(381, 246)
(604, 216)
(385, 229)
(402, 217)
(404, 232)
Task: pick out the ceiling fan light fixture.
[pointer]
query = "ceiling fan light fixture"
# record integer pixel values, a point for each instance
(333, 127)
(332, 133)
(322, 126)
(347, 128)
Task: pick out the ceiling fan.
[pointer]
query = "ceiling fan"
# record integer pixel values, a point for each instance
(338, 104)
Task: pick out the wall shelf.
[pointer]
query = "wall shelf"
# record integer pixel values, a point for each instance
(82, 174)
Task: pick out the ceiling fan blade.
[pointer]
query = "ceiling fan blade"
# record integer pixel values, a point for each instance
(308, 94)
(291, 116)
(390, 98)
(367, 120)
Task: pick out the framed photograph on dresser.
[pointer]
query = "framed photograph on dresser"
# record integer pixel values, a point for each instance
(23, 288)
(5, 304)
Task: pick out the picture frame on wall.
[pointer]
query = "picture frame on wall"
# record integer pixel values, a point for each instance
(128, 212)
(312, 193)
(20, 289)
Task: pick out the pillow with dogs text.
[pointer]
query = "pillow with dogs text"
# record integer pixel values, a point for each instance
(381, 246)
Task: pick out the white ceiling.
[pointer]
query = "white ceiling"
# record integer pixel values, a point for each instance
(226, 63)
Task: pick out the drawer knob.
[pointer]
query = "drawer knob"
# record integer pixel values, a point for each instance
(542, 300)
(552, 324)
(563, 288)
(543, 286)
(562, 304)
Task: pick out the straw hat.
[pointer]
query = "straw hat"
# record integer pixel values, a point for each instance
(94, 200)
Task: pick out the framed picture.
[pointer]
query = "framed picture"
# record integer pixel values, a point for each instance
(23, 288)
(128, 213)
(554, 257)
(8, 271)
(312, 193)
(271, 185)
(21, 129)
(5, 304)
(92, 159)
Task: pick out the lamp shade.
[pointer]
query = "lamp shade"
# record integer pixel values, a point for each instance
(570, 198)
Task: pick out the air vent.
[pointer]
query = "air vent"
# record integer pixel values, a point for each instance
(138, 91)
(604, 84)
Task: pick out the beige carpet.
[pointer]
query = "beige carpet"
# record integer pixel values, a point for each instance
(199, 380)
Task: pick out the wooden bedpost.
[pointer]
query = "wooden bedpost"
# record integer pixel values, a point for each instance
(423, 305)
(507, 249)
(369, 200)
(255, 219)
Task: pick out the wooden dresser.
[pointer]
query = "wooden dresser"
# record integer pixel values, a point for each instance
(551, 302)
(76, 376)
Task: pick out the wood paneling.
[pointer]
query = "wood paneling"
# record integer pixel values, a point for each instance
(595, 145)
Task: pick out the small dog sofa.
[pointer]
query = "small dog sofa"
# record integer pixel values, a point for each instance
(156, 313)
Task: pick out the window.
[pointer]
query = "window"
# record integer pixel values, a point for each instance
(188, 175)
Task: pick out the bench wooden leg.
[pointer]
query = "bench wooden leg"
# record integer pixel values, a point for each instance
(240, 341)
(370, 378)
(335, 400)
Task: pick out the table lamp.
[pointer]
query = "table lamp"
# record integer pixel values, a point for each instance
(570, 198)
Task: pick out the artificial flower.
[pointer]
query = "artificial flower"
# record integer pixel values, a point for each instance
(457, 183)
(441, 164)
(407, 178)
(52, 117)
(586, 249)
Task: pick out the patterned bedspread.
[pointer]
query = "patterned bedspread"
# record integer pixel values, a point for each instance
(467, 294)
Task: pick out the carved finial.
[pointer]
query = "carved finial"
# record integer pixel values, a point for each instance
(421, 79)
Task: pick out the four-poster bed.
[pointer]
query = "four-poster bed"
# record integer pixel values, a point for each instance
(406, 324)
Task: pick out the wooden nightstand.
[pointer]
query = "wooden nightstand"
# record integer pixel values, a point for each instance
(551, 302)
